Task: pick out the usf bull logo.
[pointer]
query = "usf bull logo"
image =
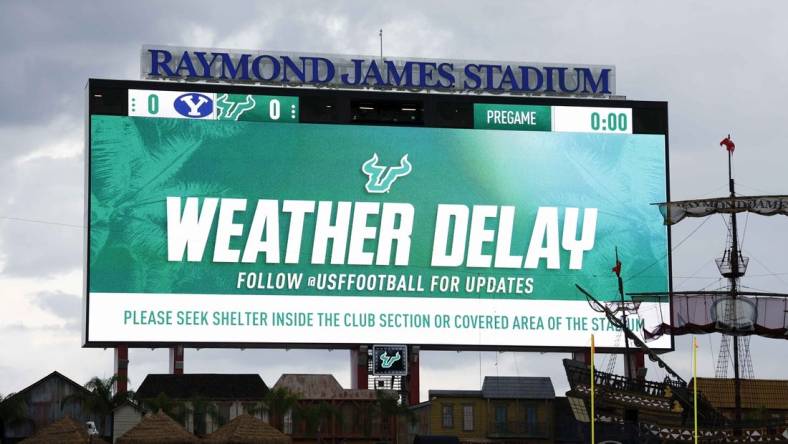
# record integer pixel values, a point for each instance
(381, 178)
(387, 361)
(231, 108)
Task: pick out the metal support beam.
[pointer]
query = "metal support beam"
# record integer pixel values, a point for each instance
(176, 360)
(637, 365)
(583, 356)
(122, 369)
(413, 375)
(359, 368)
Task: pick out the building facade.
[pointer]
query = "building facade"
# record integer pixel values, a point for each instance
(505, 409)
(44, 404)
(124, 418)
(328, 413)
(205, 402)
(762, 400)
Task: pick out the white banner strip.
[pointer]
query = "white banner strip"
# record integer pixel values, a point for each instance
(142, 317)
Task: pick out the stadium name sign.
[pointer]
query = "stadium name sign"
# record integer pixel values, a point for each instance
(178, 63)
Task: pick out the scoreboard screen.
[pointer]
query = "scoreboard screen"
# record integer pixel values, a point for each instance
(292, 217)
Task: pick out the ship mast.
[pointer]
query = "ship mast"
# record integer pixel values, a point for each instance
(627, 363)
(734, 282)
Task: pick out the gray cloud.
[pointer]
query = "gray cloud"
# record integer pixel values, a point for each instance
(49, 329)
(43, 190)
(65, 306)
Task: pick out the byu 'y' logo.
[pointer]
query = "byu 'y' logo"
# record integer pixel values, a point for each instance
(387, 361)
(381, 178)
(193, 105)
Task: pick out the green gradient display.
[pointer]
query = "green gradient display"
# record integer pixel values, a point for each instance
(136, 163)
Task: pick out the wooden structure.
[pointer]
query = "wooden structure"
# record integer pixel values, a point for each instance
(350, 415)
(157, 428)
(246, 429)
(64, 431)
(125, 417)
(229, 395)
(44, 401)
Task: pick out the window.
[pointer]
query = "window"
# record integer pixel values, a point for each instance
(531, 417)
(199, 417)
(348, 417)
(223, 414)
(579, 409)
(500, 418)
(447, 416)
(467, 418)
(287, 423)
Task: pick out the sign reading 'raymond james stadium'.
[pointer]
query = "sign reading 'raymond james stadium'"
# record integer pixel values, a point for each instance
(269, 67)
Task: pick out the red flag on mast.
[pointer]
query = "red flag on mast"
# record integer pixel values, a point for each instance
(617, 268)
(728, 143)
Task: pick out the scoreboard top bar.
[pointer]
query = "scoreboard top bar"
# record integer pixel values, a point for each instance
(301, 105)
(284, 109)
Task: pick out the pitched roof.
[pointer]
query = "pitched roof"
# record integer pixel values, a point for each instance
(317, 387)
(157, 428)
(755, 393)
(518, 387)
(54, 374)
(245, 429)
(209, 386)
(63, 431)
(454, 394)
(131, 403)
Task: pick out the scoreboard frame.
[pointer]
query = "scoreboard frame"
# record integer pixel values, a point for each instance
(376, 107)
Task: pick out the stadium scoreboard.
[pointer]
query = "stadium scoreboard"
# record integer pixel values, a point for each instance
(223, 215)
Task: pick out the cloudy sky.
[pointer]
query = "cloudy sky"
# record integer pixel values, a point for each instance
(719, 64)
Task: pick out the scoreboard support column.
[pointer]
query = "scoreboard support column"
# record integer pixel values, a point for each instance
(359, 368)
(413, 375)
(176, 360)
(637, 365)
(583, 356)
(121, 369)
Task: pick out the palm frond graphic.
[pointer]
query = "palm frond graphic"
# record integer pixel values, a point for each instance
(625, 180)
(135, 164)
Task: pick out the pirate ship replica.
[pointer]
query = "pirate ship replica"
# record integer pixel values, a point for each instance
(631, 409)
